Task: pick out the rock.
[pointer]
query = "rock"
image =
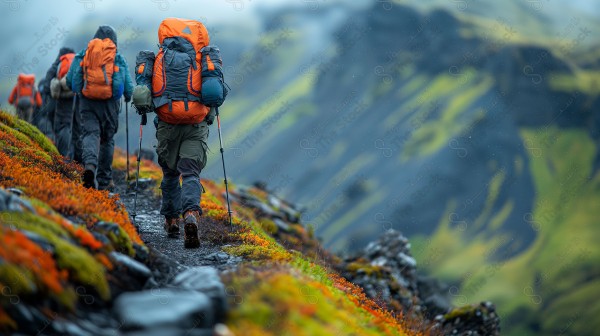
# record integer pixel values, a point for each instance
(470, 320)
(164, 308)
(133, 267)
(39, 240)
(222, 330)
(143, 183)
(204, 279)
(11, 202)
(387, 271)
(434, 295)
(15, 191)
(281, 224)
(220, 259)
(107, 227)
(141, 252)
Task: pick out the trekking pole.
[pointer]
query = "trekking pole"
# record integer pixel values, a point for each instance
(224, 173)
(137, 175)
(127, 136)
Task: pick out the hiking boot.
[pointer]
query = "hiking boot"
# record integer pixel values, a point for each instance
(110, 186)
(89, 177)
(190, 229)
(172, 227)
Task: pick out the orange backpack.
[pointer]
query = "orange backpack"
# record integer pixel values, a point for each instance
(25, 91)
(177, 80)
(98, 66)
(64, 65)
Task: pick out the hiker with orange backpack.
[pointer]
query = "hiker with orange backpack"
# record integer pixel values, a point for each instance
(60, 109)
(99, 75)
(173, 84)
(25, 97)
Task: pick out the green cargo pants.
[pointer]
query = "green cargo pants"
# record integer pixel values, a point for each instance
(181, 153)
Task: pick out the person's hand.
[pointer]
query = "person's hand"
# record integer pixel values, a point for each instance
(210, 119)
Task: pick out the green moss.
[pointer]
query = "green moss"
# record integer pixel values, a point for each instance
(280, 303)
(29, 130)
(366, 268)
(268, 225)
(582, 81)
(18, 280)
(83, 268)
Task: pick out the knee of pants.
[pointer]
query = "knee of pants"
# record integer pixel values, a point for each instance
(90, 127)
(188, 167)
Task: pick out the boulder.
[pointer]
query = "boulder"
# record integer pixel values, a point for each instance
(132, 267)
(204, 279)
(178, 309)
(12, 202)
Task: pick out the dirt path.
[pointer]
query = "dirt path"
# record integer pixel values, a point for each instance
(152, 233)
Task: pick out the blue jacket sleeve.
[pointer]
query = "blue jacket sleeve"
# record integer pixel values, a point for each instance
(126, 84)
(75, 75)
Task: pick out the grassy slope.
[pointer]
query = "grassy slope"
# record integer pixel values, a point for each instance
(551, 282)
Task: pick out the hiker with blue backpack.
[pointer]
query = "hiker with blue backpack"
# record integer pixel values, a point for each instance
(182, 83)
(99, 75)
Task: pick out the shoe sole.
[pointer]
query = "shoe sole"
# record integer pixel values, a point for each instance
(191, 239)
(88, 179)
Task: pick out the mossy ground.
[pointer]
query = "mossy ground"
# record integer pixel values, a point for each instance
(50, 249)
(285, 286)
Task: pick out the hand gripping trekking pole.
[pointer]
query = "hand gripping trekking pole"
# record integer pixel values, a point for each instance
(137, 175)
(224, 173)
(127, 137)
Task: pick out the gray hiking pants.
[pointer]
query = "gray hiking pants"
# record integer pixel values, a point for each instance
(181, 153)
(76, 137)
(99, 124)
(63, 125)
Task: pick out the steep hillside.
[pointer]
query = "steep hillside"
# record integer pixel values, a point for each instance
(460, 132)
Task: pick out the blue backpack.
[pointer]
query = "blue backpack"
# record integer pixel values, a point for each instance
(214, 90)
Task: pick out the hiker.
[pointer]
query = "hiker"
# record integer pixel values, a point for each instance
(99, 75)
(173, 78)
(25, 97)
(43, 116)
(62, 115)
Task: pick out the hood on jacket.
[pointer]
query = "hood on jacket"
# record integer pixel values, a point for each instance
(65, 50)
(106, 32)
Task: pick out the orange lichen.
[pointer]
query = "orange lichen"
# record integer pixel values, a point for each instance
(65, 196)
(18, 250)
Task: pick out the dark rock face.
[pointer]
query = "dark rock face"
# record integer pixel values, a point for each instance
(387, 272)
(164, 308)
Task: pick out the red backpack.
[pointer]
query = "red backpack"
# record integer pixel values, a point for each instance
(177, 80)
(98, 66)
(64, 65)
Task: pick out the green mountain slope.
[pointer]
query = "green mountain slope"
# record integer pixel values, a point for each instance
(478, 142)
